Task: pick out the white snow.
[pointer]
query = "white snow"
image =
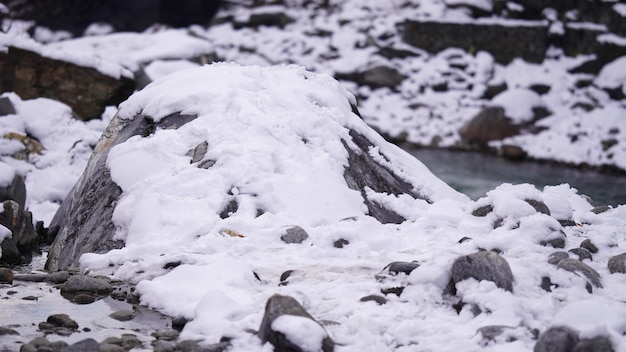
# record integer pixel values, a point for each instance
(301, 331)
(7, 173)
(613, 74)
(256, 121)
(518, 104)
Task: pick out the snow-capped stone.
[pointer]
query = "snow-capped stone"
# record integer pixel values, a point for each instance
(557, 339)
(482, 265)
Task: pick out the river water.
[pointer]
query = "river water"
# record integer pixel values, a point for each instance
(474, 174)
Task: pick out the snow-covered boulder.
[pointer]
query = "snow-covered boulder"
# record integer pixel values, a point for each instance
(235, 151)
(612, 78)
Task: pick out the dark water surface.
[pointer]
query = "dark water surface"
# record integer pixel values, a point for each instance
(474, 174)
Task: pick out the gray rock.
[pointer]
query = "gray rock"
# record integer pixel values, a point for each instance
(166, 335)
(294, 234)
(617, 264)
(164, 346)
(557, 339)
(6, 106)
(402, 267)
(483, 211)
(375, 298)
(31, 277)
(588, 245)
(27, 347)
(58, 277)
(482, 266)
(86, 284)
(39, 341)
(84, 218)
(490, 124)
(596, 344)
(556, 257)
(340, 243)
(15, 191)
(7, 331)
(375, 77)
(489, 333)
(276, 306)
(123, 315)
(540, 207)
(87, 345)
(581, 253)
(107, 347)
(576, 266)
(62, 321)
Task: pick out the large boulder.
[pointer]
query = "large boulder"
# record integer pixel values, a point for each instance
(232, 142)
(85, 89)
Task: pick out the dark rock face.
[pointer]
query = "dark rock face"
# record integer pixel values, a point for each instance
(84, 218)
(363, 171)
(277, 306)
(503, 42)
(76, 15)
(23, 242)
(6, 107)
(15, 191)
(557, 339)
(6, 276)
(482, 266)
(84, 89)
(617, 264)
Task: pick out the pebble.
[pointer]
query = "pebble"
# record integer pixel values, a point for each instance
(123, 315)
(294, 234)
(617, 264)
(574, 265)
(63, 321)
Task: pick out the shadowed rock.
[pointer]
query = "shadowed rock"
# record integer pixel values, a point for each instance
(19, 248)
(576, 266)
(617, 264)
(596, 344)
(277, 306)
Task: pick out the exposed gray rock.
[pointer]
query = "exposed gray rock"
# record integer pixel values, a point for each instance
(277, 306)
(123, 315)
(557, 339)
(376, 298)
(86, 284)
(402, 267)
(58, 277)
(7, 331)
(483, 211)
(107, 347)
(87, 345)
(540, 207)
(489, 333)
(581, 253)
(294, 234)
(556, 257)
(340, 243)
(15, 191)
(6, 107)
(481, 266)
(490, 124)
(505, 43)
(62, 321)
(596, 344)
(576, 266)
(588, 245)
(84, 218)
(166, 335)
(617, 264)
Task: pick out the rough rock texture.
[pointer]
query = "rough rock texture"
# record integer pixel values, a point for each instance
(596, 344)
(363, 171)
(6, 276)
(86, 90)
(19, 248)
(62, 320)
(617, 264)
(76, 15)
(375, 77)
(82, 283)
(6, 107)
(294, 234)
(276, 306)
(557, 339)
(489, 125)
(504, 42)
(15, 191)
(481, 266)
(84, 221)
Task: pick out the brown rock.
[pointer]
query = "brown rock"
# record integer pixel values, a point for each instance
(86, 90)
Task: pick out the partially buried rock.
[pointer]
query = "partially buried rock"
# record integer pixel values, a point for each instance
(62, 321)
(294, 234)
(6, 276)
(86, 284)
(23, 242)
(557, 339)
(288, 327)
(596, 344)
(482, 265)
(576, 266)
(123, 315)
(617, 264)
(87, 345)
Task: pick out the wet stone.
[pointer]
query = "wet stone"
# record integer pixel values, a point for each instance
(483, 211)
(27, 347)
(554, 243)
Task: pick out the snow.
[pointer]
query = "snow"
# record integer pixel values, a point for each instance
(613, 74)
(301, 331)
(256, 120)
(518, 104)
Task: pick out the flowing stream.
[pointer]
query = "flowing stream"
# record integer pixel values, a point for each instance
(475, 174)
